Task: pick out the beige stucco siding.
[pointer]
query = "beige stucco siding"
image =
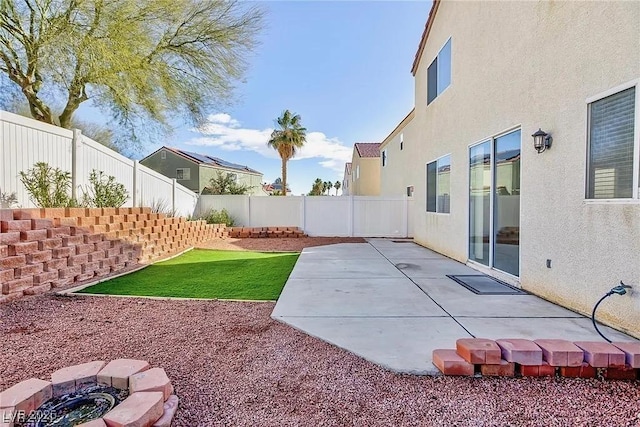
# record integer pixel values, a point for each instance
(528, 65)
(366, 182)
(395, 177)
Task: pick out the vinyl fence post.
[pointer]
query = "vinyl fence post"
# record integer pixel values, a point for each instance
(351, 216)
(249, 210)
(75, 141)
(135, 183)
(405, 215)
(173, 195)
(304, 214)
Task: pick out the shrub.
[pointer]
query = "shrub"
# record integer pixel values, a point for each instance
(219, 217)
(8, 200)
(48, 187)
(162, 206)
(104, 192)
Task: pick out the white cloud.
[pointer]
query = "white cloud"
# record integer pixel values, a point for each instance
(226, 133)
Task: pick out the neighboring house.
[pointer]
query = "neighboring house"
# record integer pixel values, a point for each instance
(346, 180)
(395, 152)
(563, 223)
(365, 169)
(194, 170)
(275, 187)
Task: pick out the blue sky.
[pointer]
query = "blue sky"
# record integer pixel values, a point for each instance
(343, 66)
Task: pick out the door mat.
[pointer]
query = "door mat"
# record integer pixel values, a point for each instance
(486, 285)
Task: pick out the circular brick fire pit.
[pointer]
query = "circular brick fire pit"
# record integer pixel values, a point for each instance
(143, 397)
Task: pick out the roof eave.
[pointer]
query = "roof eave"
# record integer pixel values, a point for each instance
(425, 34)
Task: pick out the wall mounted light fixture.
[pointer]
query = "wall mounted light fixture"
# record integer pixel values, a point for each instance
(541, 140)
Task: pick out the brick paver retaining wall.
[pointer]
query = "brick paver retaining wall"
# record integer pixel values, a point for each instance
(45, 248)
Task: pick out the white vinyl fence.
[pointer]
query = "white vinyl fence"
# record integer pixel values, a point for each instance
(358, 216)
(24, 142)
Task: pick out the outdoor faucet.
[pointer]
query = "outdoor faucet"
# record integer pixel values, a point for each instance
(621, 289)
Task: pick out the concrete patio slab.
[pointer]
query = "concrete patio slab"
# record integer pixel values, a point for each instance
(342, 250)
(356, 268)
(571, 329)
(355, 297)
(408, 251)
(459, 301)
(399, 344)
(433, 268)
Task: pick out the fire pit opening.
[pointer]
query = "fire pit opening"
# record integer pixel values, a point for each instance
(76, 408)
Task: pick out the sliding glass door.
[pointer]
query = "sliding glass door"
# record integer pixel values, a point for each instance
(494, 203)
(480, 203)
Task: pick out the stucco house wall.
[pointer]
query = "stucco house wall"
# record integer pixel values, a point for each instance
(170, 164)
(399, 146)
(347, 180)
(530, 65)
(365, 174)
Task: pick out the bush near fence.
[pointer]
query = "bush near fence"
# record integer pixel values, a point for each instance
(25, 142)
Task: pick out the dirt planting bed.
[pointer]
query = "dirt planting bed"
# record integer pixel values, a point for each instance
(231, 364)
(280, 244)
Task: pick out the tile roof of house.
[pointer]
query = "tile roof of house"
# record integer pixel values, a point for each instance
(425, 34)
(368, 149)
(347, 168)
(203, 159)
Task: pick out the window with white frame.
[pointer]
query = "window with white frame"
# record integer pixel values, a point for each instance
(410, 191)
(358, 172)
(384, 157)
(183, 174)
(439, 73)
(163, 155)
(613, 147)
(439, 185)
(401, 141)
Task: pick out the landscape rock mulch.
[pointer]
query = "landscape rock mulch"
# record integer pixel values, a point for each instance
(232, 365)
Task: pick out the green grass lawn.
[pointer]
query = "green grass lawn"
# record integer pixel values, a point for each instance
(207, 274)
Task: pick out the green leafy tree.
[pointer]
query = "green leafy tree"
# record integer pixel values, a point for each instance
(317, 188)
(225, 183)
(287, 139)
(142, 61)
(337, 186)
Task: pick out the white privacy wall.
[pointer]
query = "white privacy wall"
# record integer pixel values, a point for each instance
(358, 216)
(24, 142)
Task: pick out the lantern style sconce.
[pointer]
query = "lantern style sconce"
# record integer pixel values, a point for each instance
(541, 140)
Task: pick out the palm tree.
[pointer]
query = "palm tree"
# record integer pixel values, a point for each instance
(337, 186)
(286, 139)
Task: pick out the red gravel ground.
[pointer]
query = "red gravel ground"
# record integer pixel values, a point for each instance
(270, 244)
(232, 365)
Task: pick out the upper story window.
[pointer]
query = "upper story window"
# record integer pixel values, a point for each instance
(439, 73)
(183, 174)
(613, 152)
(163, 155)
(401, 141)
(358, 172)
(439, 185)
(384, 158)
